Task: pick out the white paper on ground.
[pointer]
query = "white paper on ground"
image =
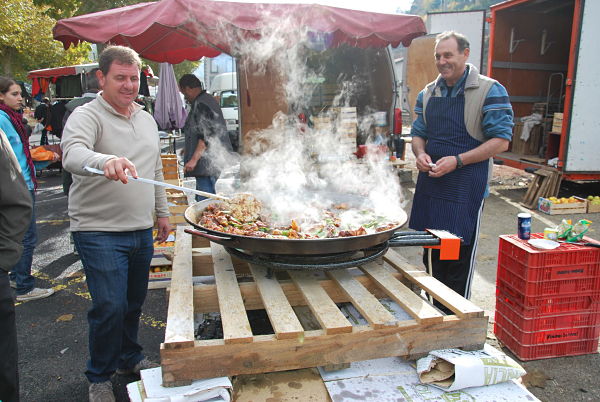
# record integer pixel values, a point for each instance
(210, 389)
(393, 379)
(473, 368)
(398, 387)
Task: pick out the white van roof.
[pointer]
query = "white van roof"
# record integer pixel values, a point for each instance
(223, 82)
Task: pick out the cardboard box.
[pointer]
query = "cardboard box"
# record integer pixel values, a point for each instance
(546, 206)
(557, 123)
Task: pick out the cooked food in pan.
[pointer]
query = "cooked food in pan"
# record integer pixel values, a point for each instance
(247, 217)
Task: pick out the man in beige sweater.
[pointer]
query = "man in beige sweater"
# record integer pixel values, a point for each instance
(112, 219)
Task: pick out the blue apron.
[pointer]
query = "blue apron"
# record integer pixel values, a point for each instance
(450, 202)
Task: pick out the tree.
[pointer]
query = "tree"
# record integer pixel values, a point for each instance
(26, 41)
(421, 7)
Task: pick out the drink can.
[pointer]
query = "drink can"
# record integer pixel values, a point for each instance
(524, 225)
(551, 234)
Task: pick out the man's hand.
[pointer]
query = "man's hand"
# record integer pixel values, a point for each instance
(115, 169)
(190, 165)
(424, 162)
(164, 227)
(443, 166)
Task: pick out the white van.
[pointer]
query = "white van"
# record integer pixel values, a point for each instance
(224, 88)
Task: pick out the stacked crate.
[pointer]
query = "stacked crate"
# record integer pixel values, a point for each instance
(547, 301)
(176, 199)
(347, 127)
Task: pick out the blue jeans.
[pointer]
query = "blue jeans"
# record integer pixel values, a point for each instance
(21, 272)
(116, 266)
(206, 184)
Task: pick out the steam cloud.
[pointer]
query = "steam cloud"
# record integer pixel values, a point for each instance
(296, 169)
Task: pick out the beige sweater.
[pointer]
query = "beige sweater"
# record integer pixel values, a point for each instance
(95, 133)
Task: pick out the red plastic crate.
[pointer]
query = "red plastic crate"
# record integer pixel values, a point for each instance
(565, 255)
(538, 306)
(548, 273)
(549, 288)
(580, 319)
(541, 306)
(546, 336)
(545, 351)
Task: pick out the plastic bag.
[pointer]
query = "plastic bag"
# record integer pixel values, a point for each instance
(42, 154)
(564, 228)
(37, 129)
(579, 230)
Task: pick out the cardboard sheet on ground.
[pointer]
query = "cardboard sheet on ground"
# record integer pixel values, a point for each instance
(393, 379)
(453, 369)
(149, 389)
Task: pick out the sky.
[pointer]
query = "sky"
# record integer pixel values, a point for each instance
(380, 6)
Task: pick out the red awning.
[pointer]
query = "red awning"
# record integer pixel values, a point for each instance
(177, 30)
(61, 71)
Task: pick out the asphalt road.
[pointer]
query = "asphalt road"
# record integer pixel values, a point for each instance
(53, 332)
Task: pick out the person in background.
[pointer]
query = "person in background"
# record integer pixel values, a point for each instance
(111, 221)
(204, 128)
(463, 120)
(42, 115)
(15, 215)
(92, 89)
(12, 125)
(27, 127)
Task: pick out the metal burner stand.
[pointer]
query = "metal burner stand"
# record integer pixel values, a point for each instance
(326, 262)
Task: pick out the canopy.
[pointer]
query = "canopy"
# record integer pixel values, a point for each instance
(61, 71)
(176, 30)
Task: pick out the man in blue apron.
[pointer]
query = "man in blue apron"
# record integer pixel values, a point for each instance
(463, 120)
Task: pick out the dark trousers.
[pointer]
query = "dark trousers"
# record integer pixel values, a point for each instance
(116, 267)
(9, 376)
(455, 274)
(21, 272)
(44, 137)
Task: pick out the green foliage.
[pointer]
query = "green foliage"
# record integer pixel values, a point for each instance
(26, 41)
(422, 7)
(58, 9)
(180, 69)
(101, 5)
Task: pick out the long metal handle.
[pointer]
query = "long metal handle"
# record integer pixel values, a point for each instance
(160, 183)
(209, 236)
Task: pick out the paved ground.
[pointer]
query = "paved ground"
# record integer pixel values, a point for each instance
(53, 332)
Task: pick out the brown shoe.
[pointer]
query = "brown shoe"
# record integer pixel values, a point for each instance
(101, 392)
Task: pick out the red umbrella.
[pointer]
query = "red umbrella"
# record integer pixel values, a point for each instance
(176, 30)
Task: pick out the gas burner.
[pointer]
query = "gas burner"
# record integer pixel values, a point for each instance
(321, 262)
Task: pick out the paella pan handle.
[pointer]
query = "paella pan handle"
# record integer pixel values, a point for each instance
(216, 239)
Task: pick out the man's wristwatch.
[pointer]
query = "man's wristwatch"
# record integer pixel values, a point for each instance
(459, 162)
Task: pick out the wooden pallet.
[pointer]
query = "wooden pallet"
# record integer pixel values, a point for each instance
(292, 346)
(546, 183)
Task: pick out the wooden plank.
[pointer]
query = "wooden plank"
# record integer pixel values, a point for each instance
(206, 301)
(413, 304)
(282, 317)
(180, 315)
(323, 308)
(363, 300)
(214, 358)
(449, 298)
(236, 327)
